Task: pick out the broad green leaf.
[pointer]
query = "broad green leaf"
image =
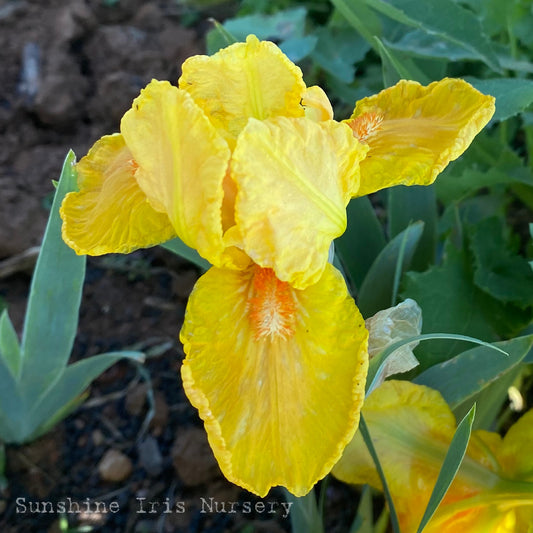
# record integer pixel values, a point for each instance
(407, 205)
(13, 423)
(513, 95)
(363, 428)
(490, 401)
(378, 285)
(281, 25)
(498, 271)
(451, 303)
(398, 66)
(362, 241)
(9, 344)
(60, 397)
(364, 518)
(298, 48)
(52, 314)
(286, 26)
(443, 18)
(305, 517)
(178, 247)
(450, 466)
(471, 372)
(361, 18)
(337, 50)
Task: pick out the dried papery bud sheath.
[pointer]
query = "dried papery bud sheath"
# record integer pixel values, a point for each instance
(390, 326)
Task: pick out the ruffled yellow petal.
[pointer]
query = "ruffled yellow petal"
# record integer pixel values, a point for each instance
(111, 213)
(316, 104)
(294, 178)
(182, 164)
(482, 519)
(516, 457)
(411, 427)
(400, 415)
(415, 131)
(252, 79)
(276, 373)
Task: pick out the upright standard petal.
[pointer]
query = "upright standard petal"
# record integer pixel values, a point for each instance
(294, 178)
(277, 376)
(110, 213)
(182, 164)
(253, 79)
(415, 131)
(316, 104)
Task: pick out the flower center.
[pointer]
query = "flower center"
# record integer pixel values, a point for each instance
(366, 124)
(272, 306)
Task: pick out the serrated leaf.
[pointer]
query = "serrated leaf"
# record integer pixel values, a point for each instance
(499, 272)
(452, 187)
(178, 247)
(471, 372)
(513, 95)
(52, 314)
(337, 51)
(60, 398)
(363, 240)
(9, 344)
(445, 19)
(298, 48)
(450, 466)
(378, 286)
(451, 303)
(281, 25)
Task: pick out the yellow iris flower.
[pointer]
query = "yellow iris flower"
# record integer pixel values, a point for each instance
(245, 164)
(412, 427)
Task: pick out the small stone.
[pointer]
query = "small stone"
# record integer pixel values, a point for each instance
(150, 456)
(160, 418)
(136, 399)
(98, 437)
(193, 459)
(114, 466)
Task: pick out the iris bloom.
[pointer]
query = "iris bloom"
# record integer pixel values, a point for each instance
(245, 164)
(412, 427)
